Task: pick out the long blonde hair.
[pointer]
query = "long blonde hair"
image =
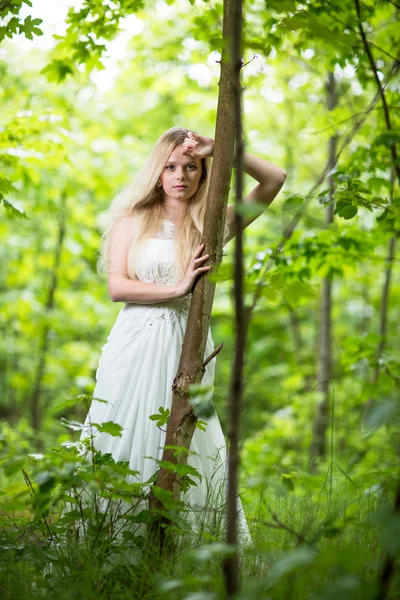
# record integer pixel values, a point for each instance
(143, 200)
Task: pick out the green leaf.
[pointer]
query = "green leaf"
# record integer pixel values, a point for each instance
(145, 516)
(30, 27)
(57, 70)
(382, 412)
(206, 553)
(166, 497)
(178, 450)
(202, 425)
(201, 399)
(181, 470)
(292, 560)
(296, 291)
(162, 417)
(12, 211)
(345, 210)
(293, 202)
(13, 465)
(110, 427)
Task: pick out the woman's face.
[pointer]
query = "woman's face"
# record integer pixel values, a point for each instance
(181, 174)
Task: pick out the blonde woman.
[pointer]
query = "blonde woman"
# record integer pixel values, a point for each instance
(152, 255)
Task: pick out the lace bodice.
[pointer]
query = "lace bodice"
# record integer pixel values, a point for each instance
(156, 263)
(167, 232)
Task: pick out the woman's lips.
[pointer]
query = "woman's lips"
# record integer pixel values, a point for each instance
(181, 187)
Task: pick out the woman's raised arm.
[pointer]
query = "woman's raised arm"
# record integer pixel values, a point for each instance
(270, 179)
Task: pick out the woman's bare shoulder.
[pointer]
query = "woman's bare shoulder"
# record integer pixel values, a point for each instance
(125, 225)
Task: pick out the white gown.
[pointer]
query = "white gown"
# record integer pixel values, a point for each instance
(136, 370)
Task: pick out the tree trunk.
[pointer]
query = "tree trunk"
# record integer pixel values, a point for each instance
(383, 312)
(48, 307)
(182, 420)
(318, 443)
(231, 563)
(383, 315)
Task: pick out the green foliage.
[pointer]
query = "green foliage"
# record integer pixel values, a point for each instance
(15, 25)
(88, 28)
(67, 146)
(201, 399)
(161, 418)
(112, 428)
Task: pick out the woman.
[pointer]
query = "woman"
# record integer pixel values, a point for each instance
(152, 257)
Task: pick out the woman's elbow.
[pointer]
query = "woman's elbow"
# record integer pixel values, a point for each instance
(113, 290)
(280, 180)
(113, 294)
(114, 297)
(282, 177)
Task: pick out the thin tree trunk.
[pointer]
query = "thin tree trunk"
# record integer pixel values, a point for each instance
(388, 569)
(383, 312)
(231, 563)
(182, 420)
(380, 87)
(48, 307)
(318, 443)
(296, 332)
(300, 349)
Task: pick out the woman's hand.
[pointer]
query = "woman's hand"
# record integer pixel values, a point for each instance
(185, 286)
(198, 146)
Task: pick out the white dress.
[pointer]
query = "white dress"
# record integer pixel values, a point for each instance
(136, 370)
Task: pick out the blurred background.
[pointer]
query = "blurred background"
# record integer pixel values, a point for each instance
(81, 105)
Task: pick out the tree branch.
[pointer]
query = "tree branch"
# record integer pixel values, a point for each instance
(379, 86)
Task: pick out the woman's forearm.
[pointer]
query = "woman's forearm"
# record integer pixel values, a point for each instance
(122, 289)
(262, 170)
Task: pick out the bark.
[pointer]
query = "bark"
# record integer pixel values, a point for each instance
(182, 420)
(45, 333)
(318, 443)
(231, 564)
(389, 566)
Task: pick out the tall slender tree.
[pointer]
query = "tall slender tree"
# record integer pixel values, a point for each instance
(49, 305)
(182, 419)
(318, 443)
(231, 563)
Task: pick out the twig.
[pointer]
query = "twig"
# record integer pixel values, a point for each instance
(213, 353)
(379, 86)
(278, 524)
(394, 4)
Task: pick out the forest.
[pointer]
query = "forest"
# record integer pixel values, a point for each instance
(87, 87)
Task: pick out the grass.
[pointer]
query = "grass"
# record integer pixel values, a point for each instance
(314, 543)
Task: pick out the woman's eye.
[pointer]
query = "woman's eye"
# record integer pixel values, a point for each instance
(173, 166)
(169, 167)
